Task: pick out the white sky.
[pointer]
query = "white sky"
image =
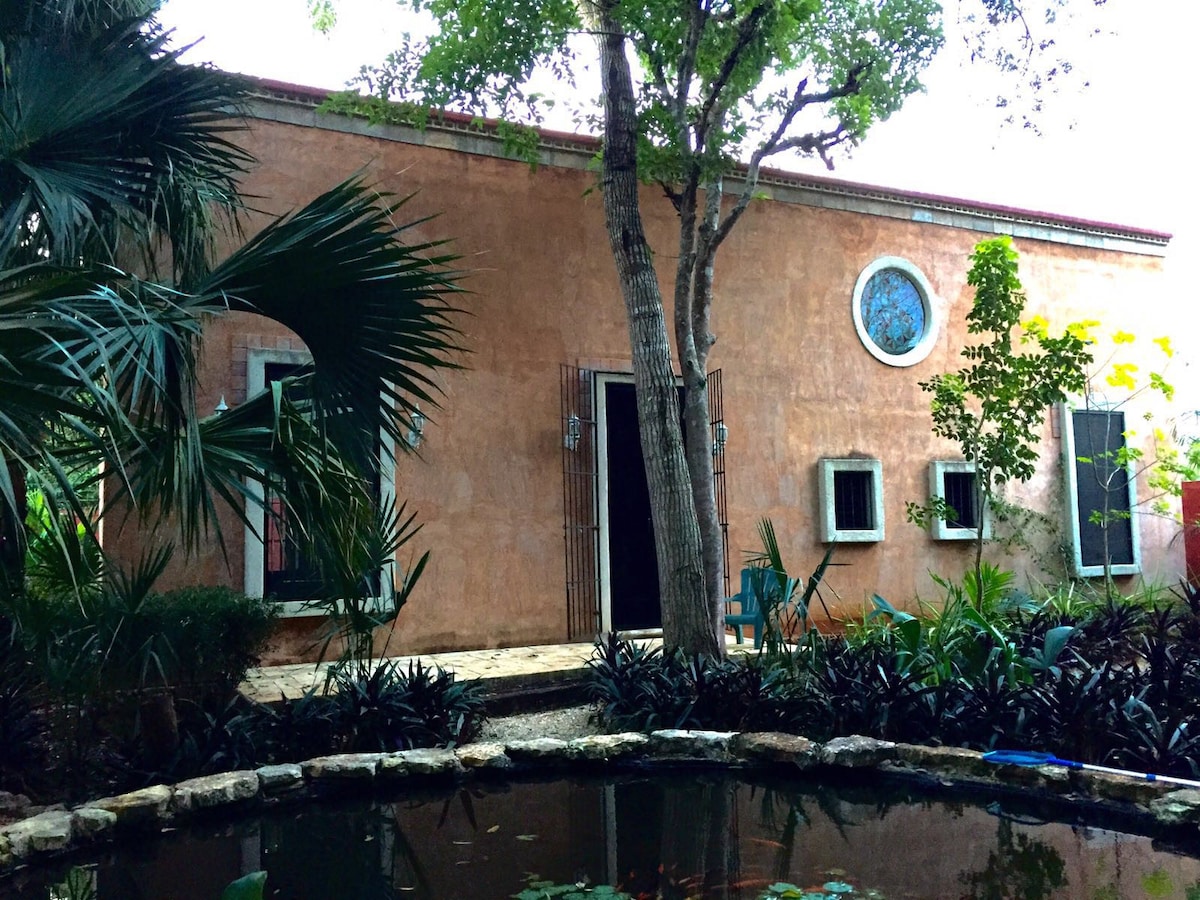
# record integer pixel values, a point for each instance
(1121, 151)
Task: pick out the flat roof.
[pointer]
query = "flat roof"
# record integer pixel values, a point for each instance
(297, 104)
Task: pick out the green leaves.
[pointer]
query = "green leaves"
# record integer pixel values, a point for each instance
(994, 407)
(248, 887)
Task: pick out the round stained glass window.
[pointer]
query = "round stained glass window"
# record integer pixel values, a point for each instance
(892, 312)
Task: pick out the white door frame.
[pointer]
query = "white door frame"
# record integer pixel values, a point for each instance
(603, 379)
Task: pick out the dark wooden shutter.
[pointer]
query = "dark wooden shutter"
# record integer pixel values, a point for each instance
(581, 528)
(1102, 484)
(716, 413)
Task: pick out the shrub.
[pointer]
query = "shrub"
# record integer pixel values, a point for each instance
(20, 725)
(215, 635)
(643, 689)
(1111, 680)
(390, 709)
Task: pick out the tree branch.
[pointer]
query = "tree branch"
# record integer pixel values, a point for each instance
(747, 31)
(820, 143)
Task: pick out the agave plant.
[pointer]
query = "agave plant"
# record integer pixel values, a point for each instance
(118, 170)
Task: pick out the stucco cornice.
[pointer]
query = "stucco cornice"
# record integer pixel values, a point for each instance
(295, 105)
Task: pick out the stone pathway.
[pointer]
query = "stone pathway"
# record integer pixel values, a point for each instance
(506, 670)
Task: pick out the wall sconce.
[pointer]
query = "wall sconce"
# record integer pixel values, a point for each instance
(221, 406)
(416, 429)
(574, 432)
(721, 432)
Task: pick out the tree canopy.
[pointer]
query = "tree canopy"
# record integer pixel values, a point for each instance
(693, 94)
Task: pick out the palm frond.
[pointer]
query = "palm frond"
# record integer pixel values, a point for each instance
(105, 134)
(371, 310)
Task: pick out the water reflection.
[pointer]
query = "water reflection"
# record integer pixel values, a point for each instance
(683, 836)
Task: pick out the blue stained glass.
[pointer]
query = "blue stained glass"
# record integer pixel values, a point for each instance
(893, 312)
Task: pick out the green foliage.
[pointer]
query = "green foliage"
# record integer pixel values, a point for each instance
(20, 725)
(1085, 677)
(638, 688)
(787, 609)
(124, 152)
(248, 887)
(994, 407)
(539, 888)
(391, 709)
(197, 640)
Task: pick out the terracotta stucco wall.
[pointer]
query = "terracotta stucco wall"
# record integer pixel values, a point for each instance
(798, 383)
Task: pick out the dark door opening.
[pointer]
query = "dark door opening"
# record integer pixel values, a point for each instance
(632, 559)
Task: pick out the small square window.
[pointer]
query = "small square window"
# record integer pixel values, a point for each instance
(955, 483)
(851, 497)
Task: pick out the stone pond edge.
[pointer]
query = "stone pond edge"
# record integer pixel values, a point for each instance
(58, 831)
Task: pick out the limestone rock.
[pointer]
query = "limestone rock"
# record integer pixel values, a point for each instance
(343, 767)
(539, 750)
(857, 752)
(1123, 788)
(275, 780)
(1045, 778)
(43, 833)
(13, 804)
(955, 762)
(92, 824)
(486, 755)
(6, 853)
(224, 789)
(606, 747)
(771, 746)
(676, 744)
(422, 762)
(147, 807)
(1178, 807)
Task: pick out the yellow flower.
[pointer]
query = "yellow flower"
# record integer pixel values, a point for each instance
(1122, 375)
(1123, 337)
(1036, 326)
(1082, 331)
(1165, 343)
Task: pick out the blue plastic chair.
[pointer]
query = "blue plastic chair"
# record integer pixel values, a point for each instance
(756, 582)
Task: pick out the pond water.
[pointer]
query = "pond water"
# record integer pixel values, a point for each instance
(686, 835)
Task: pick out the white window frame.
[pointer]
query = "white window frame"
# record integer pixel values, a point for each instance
(1067, 412)
(932, 324)
(941, 530)
(254, 551)
(826, 468)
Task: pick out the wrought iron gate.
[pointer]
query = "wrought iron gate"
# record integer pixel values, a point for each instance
(581, 526)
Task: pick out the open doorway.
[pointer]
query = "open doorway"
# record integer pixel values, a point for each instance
(630, 599)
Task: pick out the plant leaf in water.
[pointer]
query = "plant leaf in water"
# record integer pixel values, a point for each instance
(248, 887)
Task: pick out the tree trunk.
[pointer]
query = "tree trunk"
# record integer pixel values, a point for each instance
(687, 622)
(693, 303)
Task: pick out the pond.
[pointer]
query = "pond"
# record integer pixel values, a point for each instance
(686, 835)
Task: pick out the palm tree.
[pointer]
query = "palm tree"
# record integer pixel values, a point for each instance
(116, 158)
